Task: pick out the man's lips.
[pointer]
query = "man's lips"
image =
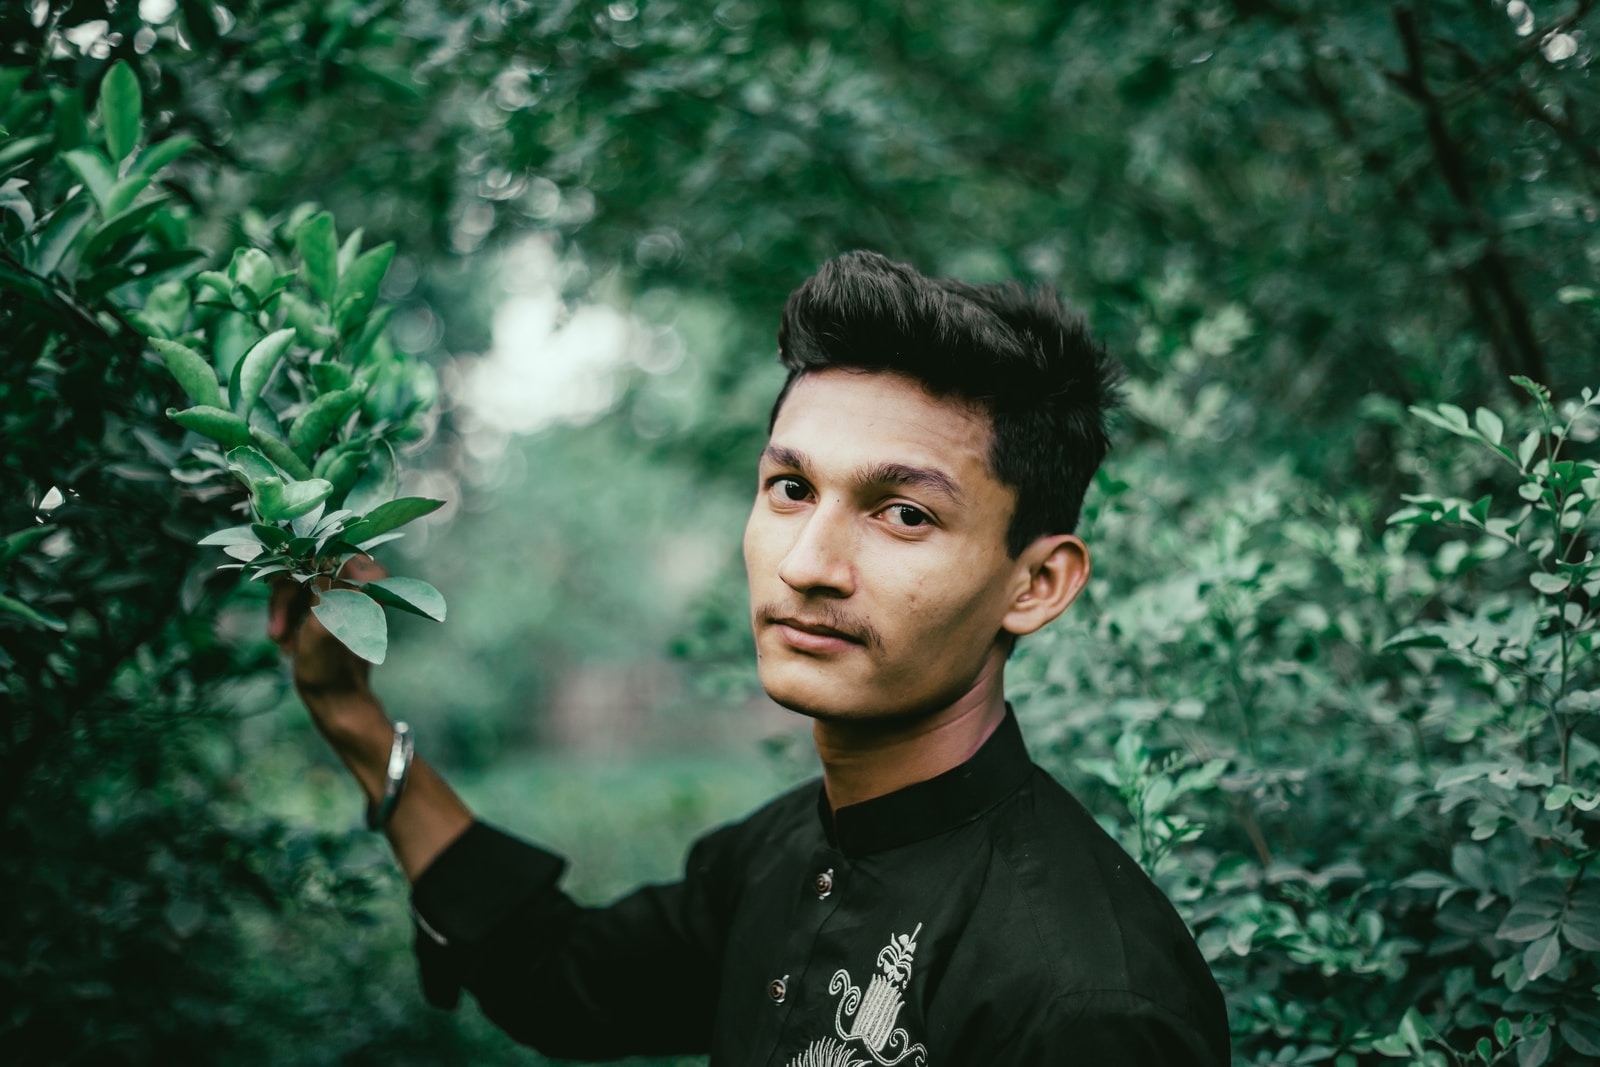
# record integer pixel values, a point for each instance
(807, 636)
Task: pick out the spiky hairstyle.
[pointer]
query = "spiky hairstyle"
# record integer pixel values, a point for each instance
(1019, 354)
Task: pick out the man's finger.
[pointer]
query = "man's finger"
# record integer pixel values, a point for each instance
(288, 605)
(362, 569)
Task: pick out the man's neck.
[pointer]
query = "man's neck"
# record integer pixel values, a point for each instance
(863, 760)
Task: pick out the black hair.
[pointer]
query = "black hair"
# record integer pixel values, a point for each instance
(1020, 354)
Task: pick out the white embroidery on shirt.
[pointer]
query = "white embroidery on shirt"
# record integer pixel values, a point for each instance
(870, 1021)
(828, 1053)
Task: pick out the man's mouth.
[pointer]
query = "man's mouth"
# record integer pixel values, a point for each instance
(814, 636)
(817, 628)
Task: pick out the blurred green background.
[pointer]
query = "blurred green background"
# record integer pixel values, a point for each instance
(1290, 220)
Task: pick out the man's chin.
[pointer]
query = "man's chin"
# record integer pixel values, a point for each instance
(805, 690)
(832, 702)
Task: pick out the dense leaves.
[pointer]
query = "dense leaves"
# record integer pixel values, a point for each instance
(1334, 681)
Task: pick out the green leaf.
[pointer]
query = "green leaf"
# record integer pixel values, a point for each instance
(388, 516)
(350, 249)
(1583, 1034)
(233, 535)
(358, 287)
(276, 501)
(1489, 425)
(33, 615)
(1548, 584)
(1535, 1052)
(251, 466)
(223, 427)
(271, 536)
(371, 543)
(121, 107)
(319, 255)
(119, 226)
(257, 366)
(1415, 1029)
(1447, 417)
(244, 552)
(252, 269)
(1539, 393)
(12, 199)
(408, 594)
(311, 324)
(1542, 955)
(51, 246)
(1391, 1045)
(280, 453)
(378, 482)
(122, 193)
(159, 156)
(166, 308)
(192, 371)
(67, 105)
(95, 172)
(1527, 925)
(331, 377)
(1502, 1031)
(14, 545)
(1579, 701)
(217, 282)
(1526, 449)
(320, 419)
(21, 148)
(304, 526)
(356, 620)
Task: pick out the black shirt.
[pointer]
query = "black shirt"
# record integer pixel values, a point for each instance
(979, 918)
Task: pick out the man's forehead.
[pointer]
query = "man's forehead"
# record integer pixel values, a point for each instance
(866, 419)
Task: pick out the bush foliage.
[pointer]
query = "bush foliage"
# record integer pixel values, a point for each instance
(1334, 683)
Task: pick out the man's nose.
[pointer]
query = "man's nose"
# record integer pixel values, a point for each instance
(819, 561)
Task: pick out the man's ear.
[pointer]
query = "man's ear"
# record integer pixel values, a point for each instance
(1050, 574)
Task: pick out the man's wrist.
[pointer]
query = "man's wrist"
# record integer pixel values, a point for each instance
(353, 722)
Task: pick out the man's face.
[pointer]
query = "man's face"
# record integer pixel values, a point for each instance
(876, 549)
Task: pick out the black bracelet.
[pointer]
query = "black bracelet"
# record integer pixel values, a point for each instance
(394, 781)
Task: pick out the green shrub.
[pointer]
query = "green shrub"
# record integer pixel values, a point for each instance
(132, 875)
(1364, 764)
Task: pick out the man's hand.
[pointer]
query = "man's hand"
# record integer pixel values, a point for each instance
(333, 681)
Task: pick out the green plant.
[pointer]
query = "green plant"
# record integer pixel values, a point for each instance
(130, 869)
(1528, 681)
(315, 404)
(302, 397)
(1397, 859)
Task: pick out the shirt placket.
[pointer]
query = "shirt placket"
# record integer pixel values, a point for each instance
(793, 982)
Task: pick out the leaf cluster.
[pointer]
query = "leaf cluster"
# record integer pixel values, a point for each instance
(315, 406)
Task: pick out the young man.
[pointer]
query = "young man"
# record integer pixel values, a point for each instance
(938, 900)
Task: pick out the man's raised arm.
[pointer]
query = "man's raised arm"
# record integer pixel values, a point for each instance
(334, 683)
(490, 915)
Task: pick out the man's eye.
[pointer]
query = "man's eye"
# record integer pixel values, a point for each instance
(790, 488)
(908, 515)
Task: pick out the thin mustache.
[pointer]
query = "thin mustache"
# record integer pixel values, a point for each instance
(824, 615)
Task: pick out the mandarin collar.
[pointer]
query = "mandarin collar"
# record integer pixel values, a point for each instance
(942, 803)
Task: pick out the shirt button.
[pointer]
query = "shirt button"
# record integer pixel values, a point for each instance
(824, 883)
(778, 988)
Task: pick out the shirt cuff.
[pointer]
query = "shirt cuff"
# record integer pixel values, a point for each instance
(477, 883)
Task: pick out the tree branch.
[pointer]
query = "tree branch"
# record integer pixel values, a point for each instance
(1524, 355)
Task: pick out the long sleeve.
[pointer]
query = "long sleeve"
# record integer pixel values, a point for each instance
(637, 977)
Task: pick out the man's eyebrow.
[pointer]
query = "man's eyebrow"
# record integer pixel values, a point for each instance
(780, 456)
(901, 475)
(884, 475)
